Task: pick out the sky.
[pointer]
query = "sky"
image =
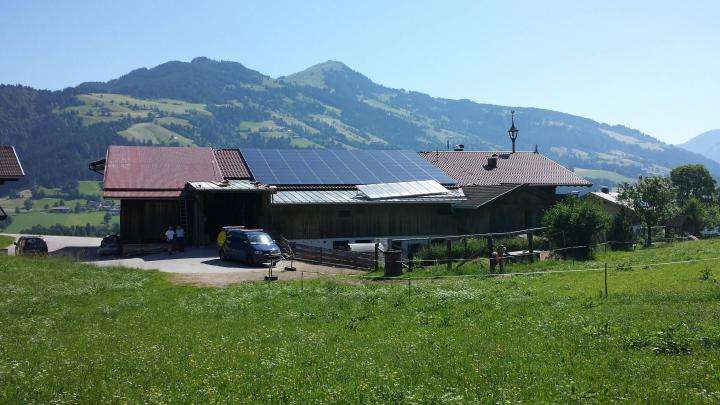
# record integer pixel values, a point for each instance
(649, 65)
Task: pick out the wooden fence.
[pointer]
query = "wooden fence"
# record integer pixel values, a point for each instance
(330, 257)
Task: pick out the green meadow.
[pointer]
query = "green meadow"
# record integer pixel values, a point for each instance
(74, 332)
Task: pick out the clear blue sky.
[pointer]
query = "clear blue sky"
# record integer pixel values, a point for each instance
(651, 65)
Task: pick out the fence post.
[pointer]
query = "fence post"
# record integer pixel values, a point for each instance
(377, 256)
(321, 255)
(490, 254)
(302, 276)
(448, 249)
(606, 292)
(530, 246)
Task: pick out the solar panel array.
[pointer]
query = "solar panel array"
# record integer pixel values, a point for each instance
(326, 166)
(402, 189)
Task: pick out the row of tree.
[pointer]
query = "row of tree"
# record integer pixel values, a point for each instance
(687, 201)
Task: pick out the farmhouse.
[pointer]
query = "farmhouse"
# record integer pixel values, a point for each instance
(327, 197)
(10, 169)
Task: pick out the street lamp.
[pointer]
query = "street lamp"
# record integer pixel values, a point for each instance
(513, 132)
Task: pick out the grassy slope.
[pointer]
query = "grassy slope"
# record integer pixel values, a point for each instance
(90, 188)
(149, 132)
(597, 174)
(72, 332)
(27, 220)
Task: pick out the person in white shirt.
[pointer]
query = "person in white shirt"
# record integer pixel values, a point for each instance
(170, 239)
(180, 238)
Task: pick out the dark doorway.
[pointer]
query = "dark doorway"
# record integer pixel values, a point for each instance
(229, 209)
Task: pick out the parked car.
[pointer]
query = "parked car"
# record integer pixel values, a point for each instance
(110, 246)
(252, 246)
(30, 246)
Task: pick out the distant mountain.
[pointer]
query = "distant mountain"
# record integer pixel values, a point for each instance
(706, 144)
(329, 105)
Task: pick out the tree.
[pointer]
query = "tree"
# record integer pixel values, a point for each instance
(28, 204)
(575, 222)
(653, 199)
(107, 218)
(621, 229)
(693, 181)
(77, 207)
(696, 214)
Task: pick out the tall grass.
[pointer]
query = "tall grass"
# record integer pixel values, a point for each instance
(72, 332)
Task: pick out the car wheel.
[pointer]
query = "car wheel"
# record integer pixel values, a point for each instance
(222, 254)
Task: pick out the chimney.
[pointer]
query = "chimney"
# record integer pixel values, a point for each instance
(605, 189)
(492, 162)
(459, 148)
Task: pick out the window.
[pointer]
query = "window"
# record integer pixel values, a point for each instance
(341, 245)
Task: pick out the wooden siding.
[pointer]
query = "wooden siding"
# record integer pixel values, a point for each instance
(347, 221)
(143, 221)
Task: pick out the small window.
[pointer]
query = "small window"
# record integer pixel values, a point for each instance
(341, 245)
(344, 213)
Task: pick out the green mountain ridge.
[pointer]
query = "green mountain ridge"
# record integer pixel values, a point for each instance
(329, 105)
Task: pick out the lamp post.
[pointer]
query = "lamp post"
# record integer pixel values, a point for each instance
(513, 132)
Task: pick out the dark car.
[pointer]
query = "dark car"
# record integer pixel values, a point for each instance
(110, 246)
(30, 246)
(252, 246)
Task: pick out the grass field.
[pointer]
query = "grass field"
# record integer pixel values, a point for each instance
(75, 333)
(155, 134)
(90, 188)
(27, 220)
(597, 174)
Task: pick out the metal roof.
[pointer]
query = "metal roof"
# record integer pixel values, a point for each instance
(143, 194)
(471, 168)
(10, 167)
(227, 186)
(477, 196)
(355, 197)
(401, 189)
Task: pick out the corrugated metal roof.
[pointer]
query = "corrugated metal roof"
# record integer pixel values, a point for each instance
(470, 168)
(229, 185)
(232, 165)
(10, 167)
(401, 189)
(158, 168)
(355, 197)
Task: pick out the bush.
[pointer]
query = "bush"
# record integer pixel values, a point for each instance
(575, 222)
(621, 231)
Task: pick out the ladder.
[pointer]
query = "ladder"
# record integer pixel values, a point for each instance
(184, 212)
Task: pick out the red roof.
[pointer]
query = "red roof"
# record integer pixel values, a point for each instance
(232, 165)
(141, 193)
(470, 168)
(150, 171)
(10, 167)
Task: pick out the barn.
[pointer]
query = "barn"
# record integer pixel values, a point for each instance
(10, 169)
(327, 197)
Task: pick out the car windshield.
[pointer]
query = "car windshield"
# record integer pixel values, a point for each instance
(34, 243)
(259, 238)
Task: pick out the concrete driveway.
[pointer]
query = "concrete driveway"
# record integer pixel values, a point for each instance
(195, 266)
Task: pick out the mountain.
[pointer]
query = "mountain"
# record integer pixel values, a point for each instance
(329, 105)
(706, 144)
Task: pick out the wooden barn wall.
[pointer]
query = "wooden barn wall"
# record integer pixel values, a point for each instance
(341, 221)
(519, 209)
(147, 220)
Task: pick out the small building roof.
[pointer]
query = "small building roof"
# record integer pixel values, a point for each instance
(471, 168)
(10, 167)
(477, 196)
(156, 172)
(355, 197)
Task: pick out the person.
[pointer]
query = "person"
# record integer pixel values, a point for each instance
(180, 238)
(170, 238)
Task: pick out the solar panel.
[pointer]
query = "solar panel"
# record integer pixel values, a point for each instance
(402, 189)
(326, 166)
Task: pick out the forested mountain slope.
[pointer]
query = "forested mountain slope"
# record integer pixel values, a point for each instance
(224, 104)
